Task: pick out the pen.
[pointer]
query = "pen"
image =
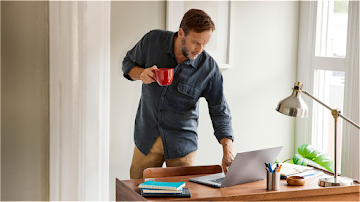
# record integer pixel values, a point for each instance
(276, 168)
(266, 167)
(270, 167)
(279, 168)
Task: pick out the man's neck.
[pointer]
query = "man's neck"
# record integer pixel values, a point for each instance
(180, 57)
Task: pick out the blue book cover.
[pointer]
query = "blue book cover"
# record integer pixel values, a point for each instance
(162, 185)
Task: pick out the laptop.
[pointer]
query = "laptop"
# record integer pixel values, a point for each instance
(246, 167)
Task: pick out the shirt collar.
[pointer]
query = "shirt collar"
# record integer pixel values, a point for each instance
(169, 48)
(169, 45)
(194, 63)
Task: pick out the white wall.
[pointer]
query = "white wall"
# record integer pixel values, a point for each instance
(129, 22)
(263, 73)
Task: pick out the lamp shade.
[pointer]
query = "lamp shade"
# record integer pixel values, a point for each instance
(293, 105)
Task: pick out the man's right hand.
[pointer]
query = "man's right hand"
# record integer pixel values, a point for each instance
(148, 75)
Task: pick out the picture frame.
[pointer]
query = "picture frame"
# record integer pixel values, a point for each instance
(221, 12)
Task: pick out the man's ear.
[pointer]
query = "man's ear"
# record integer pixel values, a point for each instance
(181, 33)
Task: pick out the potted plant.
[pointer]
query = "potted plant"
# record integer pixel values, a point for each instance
(308, 155)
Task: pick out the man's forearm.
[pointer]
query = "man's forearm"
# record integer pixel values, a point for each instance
(228, 156)
(135, 73)
(227, 144)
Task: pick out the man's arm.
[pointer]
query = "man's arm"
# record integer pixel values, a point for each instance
(228, 153)
(220, 116)
(134, 63)
(147, 75)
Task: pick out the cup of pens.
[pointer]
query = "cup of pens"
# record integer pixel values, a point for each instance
(272, 177)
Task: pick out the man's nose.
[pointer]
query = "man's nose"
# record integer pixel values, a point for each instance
(200, 48)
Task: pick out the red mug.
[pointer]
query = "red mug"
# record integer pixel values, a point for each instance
(164, 76)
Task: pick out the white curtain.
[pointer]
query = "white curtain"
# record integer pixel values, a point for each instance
(350, 164)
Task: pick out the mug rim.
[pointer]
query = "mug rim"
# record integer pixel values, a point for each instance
(163, 69)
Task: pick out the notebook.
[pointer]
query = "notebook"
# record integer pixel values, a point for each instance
(162, 185)
(288, 169)
(185, 193)
(246, 167)
(166, 191)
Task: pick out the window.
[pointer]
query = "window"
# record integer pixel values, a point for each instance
(328, 65)
(331, 28)
(329, 72)
(329, 88)
(322, 65)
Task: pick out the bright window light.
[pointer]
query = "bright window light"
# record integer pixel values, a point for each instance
(329, 88)
(331, 28)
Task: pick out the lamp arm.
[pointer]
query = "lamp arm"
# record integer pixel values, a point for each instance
(342, 116)
(308, 94)
(350, 121)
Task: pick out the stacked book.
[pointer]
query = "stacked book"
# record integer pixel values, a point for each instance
(164, 189)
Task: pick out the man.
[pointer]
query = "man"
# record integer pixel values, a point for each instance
(167, 117)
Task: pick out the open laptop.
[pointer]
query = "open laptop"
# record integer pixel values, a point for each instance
(246, 167)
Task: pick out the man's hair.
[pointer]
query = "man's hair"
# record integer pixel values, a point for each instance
(196, 20)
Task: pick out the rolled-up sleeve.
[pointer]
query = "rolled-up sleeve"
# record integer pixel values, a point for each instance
(218, 108)
(136, 56)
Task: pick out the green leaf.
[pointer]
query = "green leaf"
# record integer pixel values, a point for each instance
(308, 155)
(289, 160)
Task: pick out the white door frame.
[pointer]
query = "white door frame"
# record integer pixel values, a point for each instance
(79, 100)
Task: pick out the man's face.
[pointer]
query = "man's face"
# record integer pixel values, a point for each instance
(194, 43)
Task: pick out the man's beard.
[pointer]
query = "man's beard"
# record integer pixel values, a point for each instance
(184, 49)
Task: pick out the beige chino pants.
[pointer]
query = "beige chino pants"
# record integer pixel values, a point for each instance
(155, 158)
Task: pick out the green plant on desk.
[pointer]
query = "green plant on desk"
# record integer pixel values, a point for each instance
(308, 155)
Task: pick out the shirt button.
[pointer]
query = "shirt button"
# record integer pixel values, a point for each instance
(160, 124)
(161, 110)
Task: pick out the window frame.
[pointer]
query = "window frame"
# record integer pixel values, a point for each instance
(307, 65)
(307, 61)
(328, 64)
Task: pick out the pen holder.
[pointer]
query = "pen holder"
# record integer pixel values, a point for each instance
(272, 180)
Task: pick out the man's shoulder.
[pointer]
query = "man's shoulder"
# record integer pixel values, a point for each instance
(160, 33)
(158, 37)
(208, 57)
(208, 62)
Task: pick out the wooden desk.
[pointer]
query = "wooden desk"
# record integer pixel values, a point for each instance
(254, 191)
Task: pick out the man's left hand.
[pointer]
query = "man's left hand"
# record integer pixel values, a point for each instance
(228, 156)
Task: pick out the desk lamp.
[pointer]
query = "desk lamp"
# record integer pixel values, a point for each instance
(295, 106)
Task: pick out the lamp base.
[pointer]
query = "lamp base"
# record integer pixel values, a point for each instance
(332, 181)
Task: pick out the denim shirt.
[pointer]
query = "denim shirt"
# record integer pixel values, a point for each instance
(173, 111)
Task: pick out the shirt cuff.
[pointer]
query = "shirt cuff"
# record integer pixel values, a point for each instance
(128, 77)
(127, 67)
(226, 133)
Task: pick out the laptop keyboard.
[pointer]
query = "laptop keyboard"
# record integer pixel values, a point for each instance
(219, 180)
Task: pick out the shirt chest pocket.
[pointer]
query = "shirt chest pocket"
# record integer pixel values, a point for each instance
(185, 97)
(189, 90)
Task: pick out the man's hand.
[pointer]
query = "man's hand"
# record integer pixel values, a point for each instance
(147, 75)
(228, 156)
